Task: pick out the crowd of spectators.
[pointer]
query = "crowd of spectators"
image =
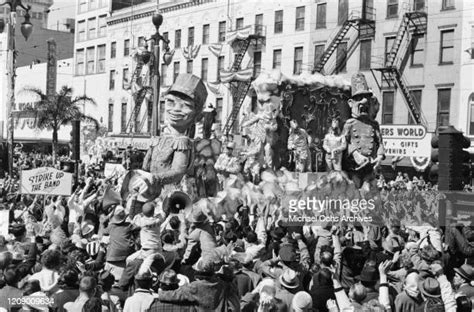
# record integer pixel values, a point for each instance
(81, 253)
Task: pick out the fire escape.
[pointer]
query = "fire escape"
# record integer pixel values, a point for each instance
(413, 23)
(363, 23)
(238, 88)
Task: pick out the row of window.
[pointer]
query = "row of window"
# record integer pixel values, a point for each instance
(90, 60)
(416, 51)
(95, 28)
(87, 5)
(443, 108)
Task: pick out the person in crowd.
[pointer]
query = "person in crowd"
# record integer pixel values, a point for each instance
(87, 289)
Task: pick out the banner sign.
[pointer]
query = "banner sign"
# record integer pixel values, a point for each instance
(124, 142)
(113, 169)
(406, 140)
(46, 181)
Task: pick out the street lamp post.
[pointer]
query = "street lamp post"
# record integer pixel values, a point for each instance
(157, 37)
(26, 29)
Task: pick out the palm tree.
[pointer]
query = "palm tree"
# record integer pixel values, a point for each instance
(58, 110)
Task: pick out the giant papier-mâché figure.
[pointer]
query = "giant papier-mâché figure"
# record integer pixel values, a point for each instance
(364, 142)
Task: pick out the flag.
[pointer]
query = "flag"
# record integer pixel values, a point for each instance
(214, 87)
(216, 48)
(191, 52)
(111, 197)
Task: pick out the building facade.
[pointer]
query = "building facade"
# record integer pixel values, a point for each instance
(434, 62)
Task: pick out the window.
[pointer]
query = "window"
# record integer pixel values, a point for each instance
(149, 115)
(177, 39)
(81, 31)
(162, 112)
(220, 66)
(278, 22)
(471, 119)
(90, 59)
(472, 43)
(221, 37)
(80, 62)
(259, 24)
(205, 34)
(416, 97)
(341, 57)
(257, 63)
(204, 66)
(125, 78)
(417, 50)
(126, 47)
(190, 36)
(82, 6)
(101, 58)
(321, 16)
(102, 26)
(141, 41)
(343, 11)
(239, 23)
(123, 120)
(219, 104)
(92, 4)
(112, 80)
(318, 53)
(447, 47)
(164, 74)
(175, 70)
(103, 3)
(392, 8)
(111, 118)
(419, 5)
(113, 50)
(365, 54)
(447, 4)
(444, 105)
(299, 23)
(387, 107)
(92, 32)
(388, 47)
(136, 117)
(189, 66)
(298, 61)
(276, 59)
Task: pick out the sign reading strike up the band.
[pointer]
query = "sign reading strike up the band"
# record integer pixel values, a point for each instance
(406, 140)
(46, 181)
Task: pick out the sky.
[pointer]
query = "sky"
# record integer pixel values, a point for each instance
(61, 9)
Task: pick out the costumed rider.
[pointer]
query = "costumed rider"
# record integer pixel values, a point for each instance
(227, 164)
(334, 143)
(365, 147)
(171, 155)
(299, 146)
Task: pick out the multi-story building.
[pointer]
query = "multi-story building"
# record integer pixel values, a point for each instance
(38, 12)
(90, 44)
(420, 75)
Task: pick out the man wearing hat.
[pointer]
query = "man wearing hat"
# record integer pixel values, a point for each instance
(169, 281)
(362, 132)
(227, 164)
(201, 237)
(209, 118)
(463, 278)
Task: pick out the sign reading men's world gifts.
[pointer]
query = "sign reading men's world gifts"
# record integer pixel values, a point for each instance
(46, 181)
(406, 140)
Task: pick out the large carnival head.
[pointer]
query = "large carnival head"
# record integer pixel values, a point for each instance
(268, 94)
(361, 98)
(184, 101)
